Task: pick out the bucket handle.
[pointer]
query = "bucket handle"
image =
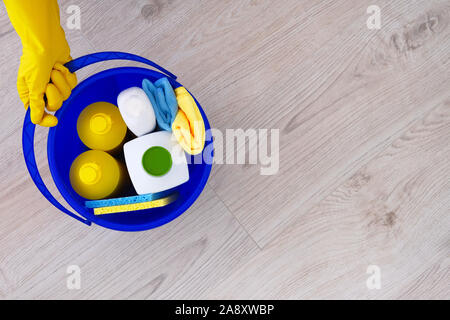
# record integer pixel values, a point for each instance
(29, 128)
(30, 161)
(92, 58)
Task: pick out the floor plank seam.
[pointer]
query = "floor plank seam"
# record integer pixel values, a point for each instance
(237, 220)
(347, 173)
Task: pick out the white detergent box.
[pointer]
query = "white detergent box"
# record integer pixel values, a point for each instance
(156, 162)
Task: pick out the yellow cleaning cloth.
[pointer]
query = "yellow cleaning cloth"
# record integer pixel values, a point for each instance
(188, 127)
(136, 206)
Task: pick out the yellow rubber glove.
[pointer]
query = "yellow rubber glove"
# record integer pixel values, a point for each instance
(43, 81)
(188, 127)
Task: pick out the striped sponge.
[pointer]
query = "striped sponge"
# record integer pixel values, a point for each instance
(127, 200)
(136, 206)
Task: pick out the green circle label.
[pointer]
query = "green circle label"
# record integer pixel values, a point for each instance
(157, 161)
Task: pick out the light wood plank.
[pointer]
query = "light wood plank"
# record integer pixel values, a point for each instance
(339, 92)
(38, 243)
(364, 164)
(393, 213)
(336, 108)
(179, 260)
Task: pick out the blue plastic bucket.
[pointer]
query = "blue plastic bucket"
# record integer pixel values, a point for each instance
(64, 145)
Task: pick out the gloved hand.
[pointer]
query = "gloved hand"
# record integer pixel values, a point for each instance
(43, 81)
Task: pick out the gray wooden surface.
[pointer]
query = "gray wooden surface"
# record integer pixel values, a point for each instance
(364, 119)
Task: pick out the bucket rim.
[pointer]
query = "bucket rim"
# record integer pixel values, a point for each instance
(82, 210)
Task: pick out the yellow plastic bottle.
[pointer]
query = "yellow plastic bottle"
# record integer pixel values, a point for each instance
(96, 175)
(101, 127)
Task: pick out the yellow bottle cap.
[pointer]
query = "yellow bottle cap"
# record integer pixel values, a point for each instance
(100, 123)
(90, 173)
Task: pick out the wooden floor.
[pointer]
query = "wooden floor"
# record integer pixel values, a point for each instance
(364, 120)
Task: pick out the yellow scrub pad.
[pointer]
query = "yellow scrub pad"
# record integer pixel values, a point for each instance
(136, 206)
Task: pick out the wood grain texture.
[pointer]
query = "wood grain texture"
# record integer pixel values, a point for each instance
(180, 260)
(339, 92)
(364, 119)
(337, 108)
(38, 243)
(393, 213)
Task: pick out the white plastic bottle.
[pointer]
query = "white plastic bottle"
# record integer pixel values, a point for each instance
(156, 162)
(137, 111)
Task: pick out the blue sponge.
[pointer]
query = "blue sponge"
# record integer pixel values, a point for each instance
(136, 206)
(127, 200)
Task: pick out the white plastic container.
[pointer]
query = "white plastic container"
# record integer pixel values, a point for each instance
(156, 162)
(137, 111)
